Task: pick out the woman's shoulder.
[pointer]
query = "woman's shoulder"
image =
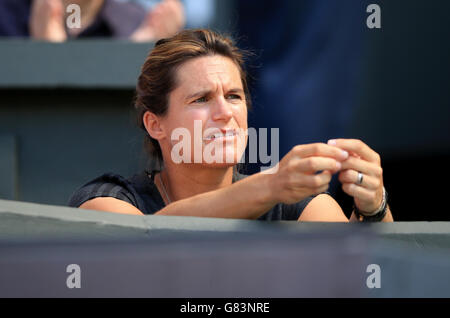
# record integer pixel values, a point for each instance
(107, 185)
(137, 190)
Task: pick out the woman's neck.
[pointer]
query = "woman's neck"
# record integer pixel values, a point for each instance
(184, 181)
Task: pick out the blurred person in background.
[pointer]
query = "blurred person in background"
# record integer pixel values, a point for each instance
(46, 19)
(198, 13)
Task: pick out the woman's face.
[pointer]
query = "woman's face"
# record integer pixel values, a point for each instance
(208, 103)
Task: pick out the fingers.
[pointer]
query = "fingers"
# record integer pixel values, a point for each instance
(312, 165)
(319, 182)
(365, 167)
(351, 176)
(312, 184)
(307, 170)
(369, 194)
(358, 147)
(321, 150)
(360, 192)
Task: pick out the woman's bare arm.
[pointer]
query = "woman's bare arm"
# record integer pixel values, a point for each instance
(293, 180)
(109, 204)
(246, 199)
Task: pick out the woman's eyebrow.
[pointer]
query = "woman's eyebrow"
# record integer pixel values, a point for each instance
(236, 90)
(197, 94)
(208, 92)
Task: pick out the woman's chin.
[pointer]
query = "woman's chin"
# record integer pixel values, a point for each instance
(221, 163)
(224, 162)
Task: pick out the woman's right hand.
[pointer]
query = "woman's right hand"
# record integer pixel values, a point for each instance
(297, 175)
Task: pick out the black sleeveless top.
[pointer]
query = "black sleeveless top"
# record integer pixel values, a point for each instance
(141, 191)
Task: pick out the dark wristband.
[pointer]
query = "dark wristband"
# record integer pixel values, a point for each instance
(376, 217)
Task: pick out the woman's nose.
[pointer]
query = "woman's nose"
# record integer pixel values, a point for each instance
(221, 110)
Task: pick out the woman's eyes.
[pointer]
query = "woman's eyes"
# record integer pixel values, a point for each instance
(234, 96)
(201, 100)
(204, 99)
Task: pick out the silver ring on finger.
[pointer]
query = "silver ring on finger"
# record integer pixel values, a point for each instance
(360, 178)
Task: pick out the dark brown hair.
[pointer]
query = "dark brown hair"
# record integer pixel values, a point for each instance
(157, 78)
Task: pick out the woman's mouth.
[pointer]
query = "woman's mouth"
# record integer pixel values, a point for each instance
(228, 135)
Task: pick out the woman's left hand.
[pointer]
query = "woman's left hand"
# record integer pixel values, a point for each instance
(368, 195)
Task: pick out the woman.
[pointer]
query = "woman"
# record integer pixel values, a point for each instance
(197, 76)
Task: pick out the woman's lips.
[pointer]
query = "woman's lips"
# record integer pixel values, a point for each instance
(227, 135)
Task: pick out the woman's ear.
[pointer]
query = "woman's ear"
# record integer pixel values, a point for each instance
(153, 125)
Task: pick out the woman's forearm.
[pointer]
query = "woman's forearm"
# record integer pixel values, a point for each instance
(246, 199)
